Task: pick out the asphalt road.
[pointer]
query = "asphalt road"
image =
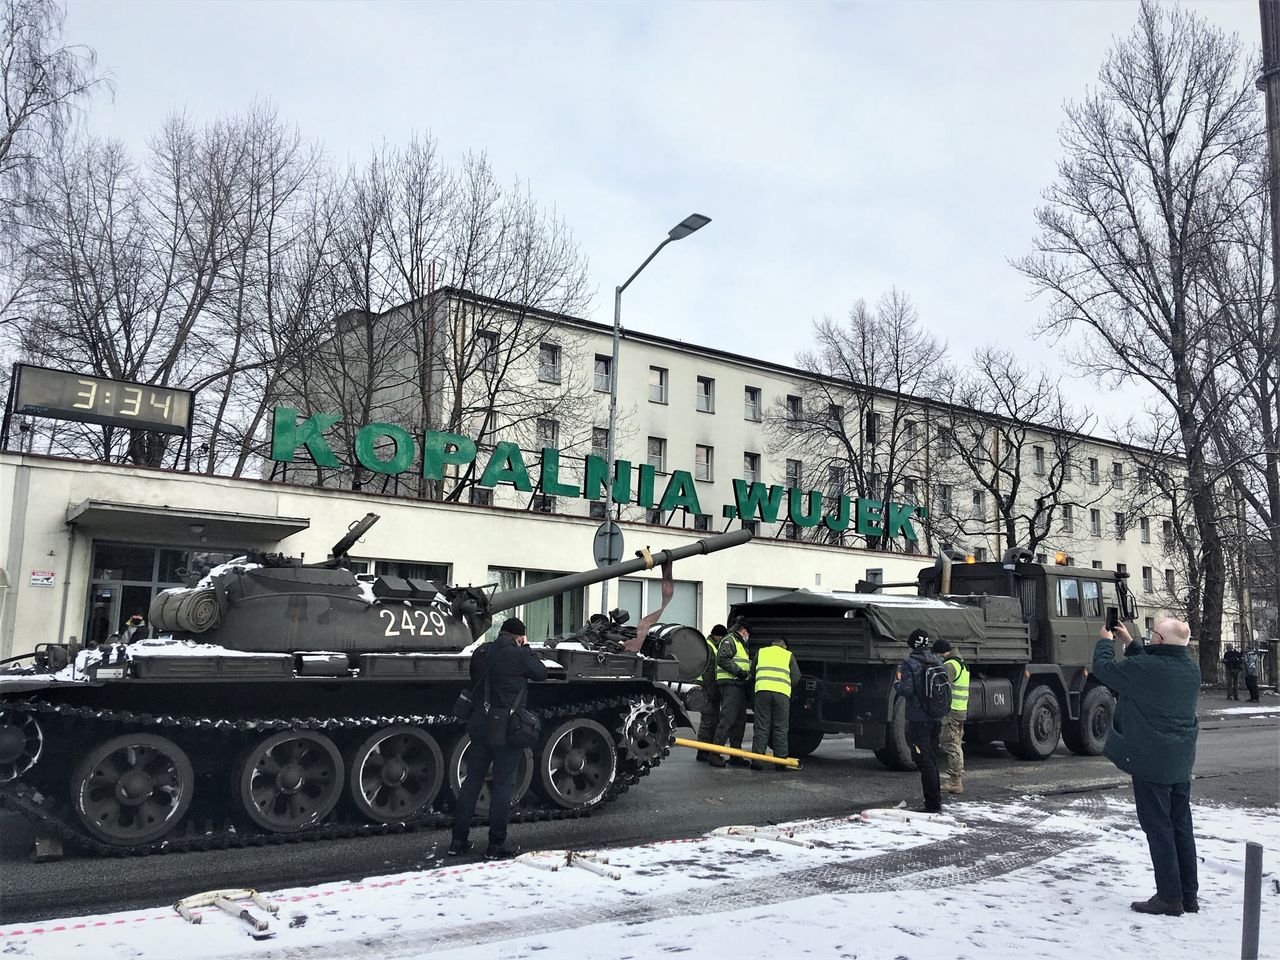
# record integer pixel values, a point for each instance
(1237, 763)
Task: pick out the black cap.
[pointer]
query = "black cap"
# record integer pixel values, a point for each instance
(942, 646)
(719, 630)
(918, 640)
(513, 626)
(741, 625)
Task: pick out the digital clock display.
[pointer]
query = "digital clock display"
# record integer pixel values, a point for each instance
(117, 403)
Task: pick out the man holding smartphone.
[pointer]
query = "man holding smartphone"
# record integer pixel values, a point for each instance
(1153, 739)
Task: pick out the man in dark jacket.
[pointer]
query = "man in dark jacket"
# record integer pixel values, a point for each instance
(733, 677)
(1233, 663)
(922, 731)
(506, 665)
(709, 715)
(1153, 739)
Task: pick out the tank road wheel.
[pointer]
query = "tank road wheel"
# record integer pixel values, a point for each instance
(21, 743)
(646, 730)
(1039, 727)
(802, 743)
(1088, 734)
(576, 764)
(896, 752)
(395, 774)
(290, 781)
(132, 789)
(457, 772)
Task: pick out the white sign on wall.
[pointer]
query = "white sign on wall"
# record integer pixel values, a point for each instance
(43, 578)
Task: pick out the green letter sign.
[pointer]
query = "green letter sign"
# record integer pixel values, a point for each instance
(287, 435)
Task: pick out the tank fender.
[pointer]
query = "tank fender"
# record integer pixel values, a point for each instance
(1042, 674)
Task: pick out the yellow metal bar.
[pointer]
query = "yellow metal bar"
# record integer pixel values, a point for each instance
(735, 752)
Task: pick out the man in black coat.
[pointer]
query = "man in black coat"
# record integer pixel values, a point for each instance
(500, 673)
(1153, 739)
(923, 732)
(709, 715)
(1233, 663)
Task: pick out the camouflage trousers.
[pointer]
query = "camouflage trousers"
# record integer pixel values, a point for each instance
(950, 742)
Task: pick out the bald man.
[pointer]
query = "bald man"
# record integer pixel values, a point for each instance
(1153, 739)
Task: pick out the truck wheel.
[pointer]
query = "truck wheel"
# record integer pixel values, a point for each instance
(1039, 727)
(1088, 734)
(801, 743)
(896, 754)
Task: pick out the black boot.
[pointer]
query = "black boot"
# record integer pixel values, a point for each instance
(1161, 908)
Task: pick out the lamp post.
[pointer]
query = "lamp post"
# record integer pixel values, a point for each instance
(690, 224)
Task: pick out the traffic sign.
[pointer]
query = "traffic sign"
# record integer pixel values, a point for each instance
(607, 545)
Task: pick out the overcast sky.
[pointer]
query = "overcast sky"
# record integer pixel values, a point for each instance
(839, 149)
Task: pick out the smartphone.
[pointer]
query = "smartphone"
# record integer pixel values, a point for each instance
(1113, 618)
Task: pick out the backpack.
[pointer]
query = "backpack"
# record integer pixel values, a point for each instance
(934, 692)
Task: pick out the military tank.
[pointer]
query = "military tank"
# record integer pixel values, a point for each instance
(285, 701)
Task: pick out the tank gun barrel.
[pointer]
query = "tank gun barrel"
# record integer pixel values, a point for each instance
(644, 561)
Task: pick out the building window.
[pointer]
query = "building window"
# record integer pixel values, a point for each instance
(753, 526)
(1093, 470)
(653, 516)
(909, 489)
(1068, 519)
(481, 496)
(795, 469)
(751, 404)
(1117, 476)
(873, 427)
(791, 531)
(1168, 579)
(604, 373)
(600, 441)
(1144, 527)
(657, 385)
(1096, 564)
(1067, 471)
(795, 409)
(909, 436)
(875, 484)
(1147, 584)
(487, 345)
(1120, 526)
(944, 498)
(835, 416)
(835, 480)
(751, 467)
(658, 454)
(597, 510)
(1042, 558)
(980, 554)
(946, 442)
(544, 504)
(704, 462)
(549, 433)
(978, 506)
(1095, 523)
(1038, 453)
(706, 395)
(549, 363)
(1150, 624)
(702, 522)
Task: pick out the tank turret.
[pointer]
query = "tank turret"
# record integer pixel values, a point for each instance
(274, 604)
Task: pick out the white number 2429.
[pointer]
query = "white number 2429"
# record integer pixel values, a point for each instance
(415, 623)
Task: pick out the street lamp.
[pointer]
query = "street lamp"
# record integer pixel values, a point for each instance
(690, 224)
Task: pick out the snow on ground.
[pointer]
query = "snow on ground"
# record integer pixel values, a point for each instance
(1035, 877)
(1256, 710)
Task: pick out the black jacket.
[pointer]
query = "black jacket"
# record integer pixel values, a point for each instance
(910, 682)
(1233, 659)
(510, 669)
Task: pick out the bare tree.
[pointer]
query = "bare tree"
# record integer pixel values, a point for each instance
(1126, 230)
(857, 425)
(1011, 438)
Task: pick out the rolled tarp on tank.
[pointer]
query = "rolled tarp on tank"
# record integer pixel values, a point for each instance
(187, 610)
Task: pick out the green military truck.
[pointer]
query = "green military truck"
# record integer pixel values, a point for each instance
(1025, 629)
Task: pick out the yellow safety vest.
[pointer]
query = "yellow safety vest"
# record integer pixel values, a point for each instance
(959, 685)
(773, 670)
(711, 645)
(739, 657)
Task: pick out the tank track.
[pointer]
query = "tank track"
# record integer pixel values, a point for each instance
(55, 815)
